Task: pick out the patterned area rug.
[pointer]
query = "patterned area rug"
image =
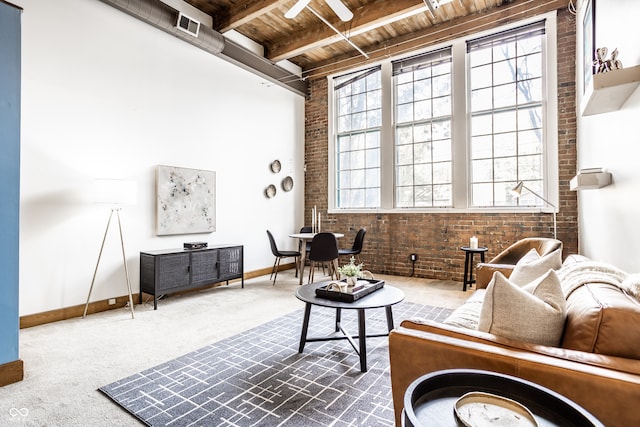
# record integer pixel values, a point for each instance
(258, 378)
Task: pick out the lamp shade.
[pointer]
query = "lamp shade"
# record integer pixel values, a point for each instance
(115, 192)
(517, 190)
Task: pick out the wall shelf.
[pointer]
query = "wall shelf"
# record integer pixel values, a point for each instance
(590, 178)
(609, 91)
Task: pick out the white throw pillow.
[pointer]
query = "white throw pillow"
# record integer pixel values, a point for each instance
(532, 266)
(534, 313)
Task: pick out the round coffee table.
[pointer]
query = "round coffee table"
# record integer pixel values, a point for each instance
(430, 399)
(383, 297)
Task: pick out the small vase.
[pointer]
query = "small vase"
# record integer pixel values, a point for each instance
(351, 281)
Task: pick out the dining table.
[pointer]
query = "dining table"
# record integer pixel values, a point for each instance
(304, 238)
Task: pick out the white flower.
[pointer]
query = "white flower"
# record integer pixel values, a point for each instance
(352, 269)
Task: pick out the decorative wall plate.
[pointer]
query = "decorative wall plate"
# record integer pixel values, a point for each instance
(276, 166)
(287, 183)
(270, 191)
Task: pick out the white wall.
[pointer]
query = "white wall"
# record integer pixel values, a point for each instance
(107, 96)
(608, 217)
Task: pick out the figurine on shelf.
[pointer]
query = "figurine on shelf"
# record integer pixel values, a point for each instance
(602, 65)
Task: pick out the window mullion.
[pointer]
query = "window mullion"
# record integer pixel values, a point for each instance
(387, 138)
(460, 131)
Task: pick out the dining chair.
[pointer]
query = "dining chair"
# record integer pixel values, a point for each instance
(358, 243)
(308, 245)
(279, 255)
(324, 248)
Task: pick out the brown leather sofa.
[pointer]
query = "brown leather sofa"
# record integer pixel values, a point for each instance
(597, 364)
(506, 260)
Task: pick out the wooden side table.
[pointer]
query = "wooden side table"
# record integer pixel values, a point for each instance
(468, 264)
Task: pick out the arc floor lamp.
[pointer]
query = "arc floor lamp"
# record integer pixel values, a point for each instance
(115, 193)
(517, 191)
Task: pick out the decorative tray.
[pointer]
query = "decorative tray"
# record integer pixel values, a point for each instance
(363, 288)
(477, 409)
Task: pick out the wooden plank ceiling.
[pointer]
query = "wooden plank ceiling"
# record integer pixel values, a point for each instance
(379, 27)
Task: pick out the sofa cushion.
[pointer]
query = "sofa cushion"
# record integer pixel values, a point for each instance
(532, 265)
(468, 314)
(602, 313)
(601, 318)
(534, 313)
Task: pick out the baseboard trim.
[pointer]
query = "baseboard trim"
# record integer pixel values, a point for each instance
(37, 319)
(74, 311)
(11, 372)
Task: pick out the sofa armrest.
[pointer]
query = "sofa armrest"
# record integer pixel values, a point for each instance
(484, 273)
(414, 352)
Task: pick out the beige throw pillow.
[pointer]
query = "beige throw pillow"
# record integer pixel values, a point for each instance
(534, 313)
(532, 266)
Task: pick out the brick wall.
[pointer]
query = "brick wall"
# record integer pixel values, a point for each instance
(436, 237)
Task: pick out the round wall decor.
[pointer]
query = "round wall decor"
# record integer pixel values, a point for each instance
(276, 166)
(287, 183)
(270, 191)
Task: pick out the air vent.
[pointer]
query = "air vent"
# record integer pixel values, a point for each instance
(188, 25)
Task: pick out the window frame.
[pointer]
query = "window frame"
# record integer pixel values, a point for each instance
(461, 155)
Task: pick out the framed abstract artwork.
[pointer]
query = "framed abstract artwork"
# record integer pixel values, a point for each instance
(185, 201)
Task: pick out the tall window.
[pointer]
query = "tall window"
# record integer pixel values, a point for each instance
(358, 100)
(507, 144)
(453, 128)
(423, 156)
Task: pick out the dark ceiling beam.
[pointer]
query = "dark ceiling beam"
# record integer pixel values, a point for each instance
(307, 38)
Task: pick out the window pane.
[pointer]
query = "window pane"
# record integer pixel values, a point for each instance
(482, 99)
(505, 144)
(404, 197)
(481, 77)
(529, 142)
(482, 194)
(424, 196)
(372, 140)
(404, 154)
(441, 150)
(422, 174)
(405, 113)
(404, 175)
(529, 167)
(422, 152)
(504, 72)
(442, 172)
(504, 96)
(482, 170)
(482, 124)
(481, 147)
(373, 158)
(372, 177)
(505, 169)
(372, 198)
(504, 121)
(423, 110)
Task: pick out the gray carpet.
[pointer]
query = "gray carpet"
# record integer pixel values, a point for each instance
(258, 378)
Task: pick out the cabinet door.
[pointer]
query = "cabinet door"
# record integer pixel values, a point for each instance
(204, 267)
(231, 263)
(173, 271)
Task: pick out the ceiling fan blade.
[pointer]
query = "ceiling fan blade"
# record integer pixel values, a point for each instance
(296, 9)
(340, 9)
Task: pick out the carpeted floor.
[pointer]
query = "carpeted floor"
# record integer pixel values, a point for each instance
(258, 378)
